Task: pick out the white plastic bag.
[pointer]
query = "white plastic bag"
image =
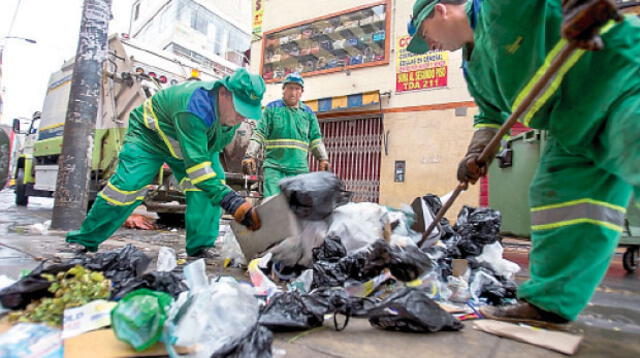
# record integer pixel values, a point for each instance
(230, 249)
(262, 284)
(358, 224)
(166, 259)
(492, 254)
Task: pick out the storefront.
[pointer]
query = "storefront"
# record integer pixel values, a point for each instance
(395, 124)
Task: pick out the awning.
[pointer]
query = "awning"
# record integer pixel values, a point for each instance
(344, 102)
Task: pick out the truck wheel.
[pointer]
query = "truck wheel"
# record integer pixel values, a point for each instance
(21, 189)
(631, 258)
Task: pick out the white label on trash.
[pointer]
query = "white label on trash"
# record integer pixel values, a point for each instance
(93, 315)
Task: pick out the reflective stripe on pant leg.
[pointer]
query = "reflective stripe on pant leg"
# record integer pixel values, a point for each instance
(201, 172)
(115, 196)
(579, 211)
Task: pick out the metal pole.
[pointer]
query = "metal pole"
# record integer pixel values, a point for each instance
(72, 185)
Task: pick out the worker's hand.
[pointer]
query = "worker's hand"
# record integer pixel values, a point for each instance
(324, 166)
(582, 20)
(249, 166)
(469, 170)
(247, 216)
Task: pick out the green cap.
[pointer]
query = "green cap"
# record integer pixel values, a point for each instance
(247, 90)
(294, 78)
(421, 9)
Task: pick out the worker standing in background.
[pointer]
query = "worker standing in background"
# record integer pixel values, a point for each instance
(287, 130)
(185, 126)
(591, 110)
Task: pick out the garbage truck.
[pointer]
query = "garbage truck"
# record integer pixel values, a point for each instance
(132, 74)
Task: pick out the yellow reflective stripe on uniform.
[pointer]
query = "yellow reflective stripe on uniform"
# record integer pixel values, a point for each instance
(276, 141)
(578, 212)
(554, 82)
(201, 172)
(314, 143)
(259, 136)
(119, 197)
(151, 121)
(287, 143)
(486, 125)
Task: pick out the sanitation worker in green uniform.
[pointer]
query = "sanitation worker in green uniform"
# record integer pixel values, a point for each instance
(591, 109)
(288, 129)
(185, 126)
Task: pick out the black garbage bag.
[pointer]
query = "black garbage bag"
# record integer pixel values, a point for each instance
(169, 282)
(31, 287)
(313, 196)
(406, 264)
(411, 310)
(331, 250)
(118, 265)
(480, 225)
(291, 311)
(494, 292)
(257, 344)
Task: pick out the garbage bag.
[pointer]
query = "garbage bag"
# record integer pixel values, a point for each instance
(408, 263)
(255, 345)
(314, 195)
(331, 250)
(118, 265)
(139, 317)
(166, 259)
(31, 287)
(163, 281)
(481, 225)
(411, 310)
(298, 249)
(492, 255)
(209, 316)
(358, 224)
(292, 311)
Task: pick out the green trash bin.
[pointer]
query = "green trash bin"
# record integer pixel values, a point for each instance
(510, 176)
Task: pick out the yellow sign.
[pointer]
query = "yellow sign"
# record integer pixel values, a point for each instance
(416, 72)
(258, 13)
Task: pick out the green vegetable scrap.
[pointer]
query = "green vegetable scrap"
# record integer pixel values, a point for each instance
(76, 287)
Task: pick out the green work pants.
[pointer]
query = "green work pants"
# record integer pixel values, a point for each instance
(578, 203)
(272, 177)
(137, 167)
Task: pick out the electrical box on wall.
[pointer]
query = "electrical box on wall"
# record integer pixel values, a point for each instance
(399, 171)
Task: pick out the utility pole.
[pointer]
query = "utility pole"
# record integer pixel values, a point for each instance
(74, 166)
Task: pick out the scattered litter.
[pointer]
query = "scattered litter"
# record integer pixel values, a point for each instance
(557, 341)
(26, 340)
(166, 259)
(141, 222)
(303, 283)
(314, 196)
(139, 317)
(40, 228)
(262, 284)
(168, 282)
(94, 315)
(230, 249)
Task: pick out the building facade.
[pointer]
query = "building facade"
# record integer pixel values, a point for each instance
(212, 33)
(395, 125)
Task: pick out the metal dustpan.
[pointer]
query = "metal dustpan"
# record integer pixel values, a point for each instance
(278, 223)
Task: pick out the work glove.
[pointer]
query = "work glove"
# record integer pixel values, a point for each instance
(469, 169)
(582, 20)
(249, 166)
(243, 212)
(324, 166)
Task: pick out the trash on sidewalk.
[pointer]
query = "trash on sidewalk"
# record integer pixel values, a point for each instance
(118, 265)
(230, 250)
(314, 196)
(562, 342)
(26, 340)
(166, 259)
(168, 282)
(257, 344)
(31, 287)
(94, 315)
(75, 287)
(138, 221)
(139, 317)
(411, 310)
(40, 228)
(104, 344)
(262, 285)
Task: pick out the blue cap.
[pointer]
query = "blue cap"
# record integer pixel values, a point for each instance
(294, 78)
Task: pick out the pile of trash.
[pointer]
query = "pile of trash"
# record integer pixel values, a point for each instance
(356, 260)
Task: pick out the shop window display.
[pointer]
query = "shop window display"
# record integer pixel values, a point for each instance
(353, 39)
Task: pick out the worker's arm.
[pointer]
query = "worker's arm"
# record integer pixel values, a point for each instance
(191, 132)
(249, 162)
(316, 145)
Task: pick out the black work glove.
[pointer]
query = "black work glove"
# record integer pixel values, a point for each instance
(243, 212)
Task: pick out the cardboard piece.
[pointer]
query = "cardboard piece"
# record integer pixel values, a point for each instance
(557, 341)
(103, 343)
(459, 267)
(78, 320)
(278, 223)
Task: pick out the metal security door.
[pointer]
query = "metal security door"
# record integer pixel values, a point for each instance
(354, 147)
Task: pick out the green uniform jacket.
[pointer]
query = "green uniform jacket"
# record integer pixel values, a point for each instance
(182, 122)
(287, 133)
(515, 42)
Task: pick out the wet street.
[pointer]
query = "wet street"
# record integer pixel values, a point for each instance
(610, 325)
